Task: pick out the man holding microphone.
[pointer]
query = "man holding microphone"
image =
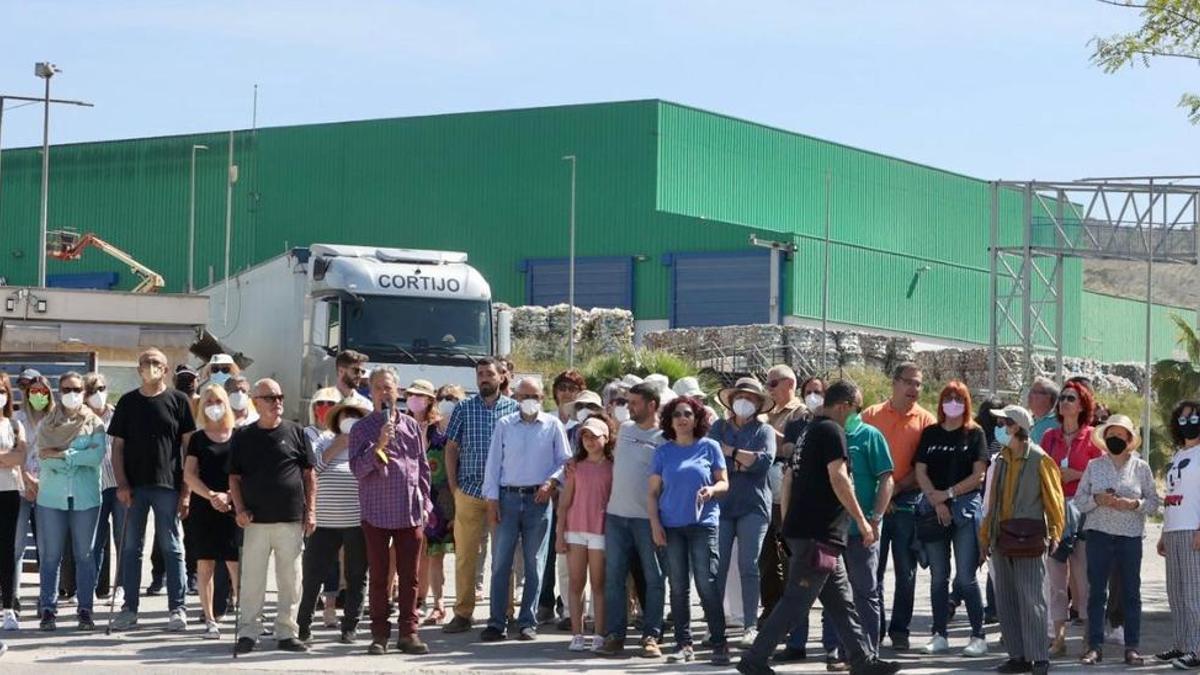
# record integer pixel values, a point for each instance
(387, 455)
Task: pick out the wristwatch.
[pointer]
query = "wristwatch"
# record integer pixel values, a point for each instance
(950, 492)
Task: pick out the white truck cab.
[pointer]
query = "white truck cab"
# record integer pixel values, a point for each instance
(427, 314)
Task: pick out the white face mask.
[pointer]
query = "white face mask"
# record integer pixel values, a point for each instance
(346, 424)
(582, 414)
(446, 408)
(72, 401)
(239, 400)
(531, 407)
(98, 399)
(744, 408)
(3, 400)
(214, 412)
(953, 409)
(814, 401)
(621, 413)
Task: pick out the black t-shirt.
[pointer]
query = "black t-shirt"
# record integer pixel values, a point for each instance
(793, 432)
(271, 463)
(213, 460)
(814, 511)
(153, 428)
(950, 456)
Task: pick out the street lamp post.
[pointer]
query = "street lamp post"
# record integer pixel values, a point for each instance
(192, 221)
(44, 70)
(571, 271)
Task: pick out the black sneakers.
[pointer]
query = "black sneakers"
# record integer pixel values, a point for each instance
(85, 620)
(49, 624)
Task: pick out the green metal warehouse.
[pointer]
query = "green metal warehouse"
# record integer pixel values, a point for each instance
(668, 198)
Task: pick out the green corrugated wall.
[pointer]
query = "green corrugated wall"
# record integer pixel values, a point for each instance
(653, 178)
(1114, 329)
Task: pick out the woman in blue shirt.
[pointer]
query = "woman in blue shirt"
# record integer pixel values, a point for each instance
(748, 444)
(71, 446)
(687, 472)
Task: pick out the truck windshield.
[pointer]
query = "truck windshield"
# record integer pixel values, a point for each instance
(424, 329)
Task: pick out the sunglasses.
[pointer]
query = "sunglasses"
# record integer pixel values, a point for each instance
(358, 370)
(1194, 419)
(221, 369)
(271, 398)
(447, 398)
(620, 401)
(324, 404)
(1069, 398)
(771, 384)
(679, 414)
(70, 390)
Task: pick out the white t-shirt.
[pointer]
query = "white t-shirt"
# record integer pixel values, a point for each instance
(10, 479)
(1181, 507)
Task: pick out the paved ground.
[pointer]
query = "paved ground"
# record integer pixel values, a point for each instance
(150, 649)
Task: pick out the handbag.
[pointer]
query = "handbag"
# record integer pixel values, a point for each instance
(824, 558)
(930, 529)
(1022, 538)
(1019, 537)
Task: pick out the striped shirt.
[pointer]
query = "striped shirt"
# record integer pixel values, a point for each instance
(108, 479)
(337, 488)
(471, 427)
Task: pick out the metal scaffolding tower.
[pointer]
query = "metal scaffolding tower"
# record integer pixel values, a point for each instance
(1037, 225)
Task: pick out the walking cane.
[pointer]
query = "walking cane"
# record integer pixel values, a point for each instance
(112, 597)
(237, 602)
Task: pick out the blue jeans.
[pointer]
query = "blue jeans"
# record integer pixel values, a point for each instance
(750, 530)
(623, 536)
(899, 534)
(862, 570)
(165, 504)
(692, 554)
(520, 517)
(1105, 552)
(55, 527)
(111, 516)
(964, 537)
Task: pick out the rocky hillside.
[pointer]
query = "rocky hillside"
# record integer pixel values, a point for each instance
(1177, 285)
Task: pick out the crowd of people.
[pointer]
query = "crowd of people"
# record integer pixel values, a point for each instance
(591, 505)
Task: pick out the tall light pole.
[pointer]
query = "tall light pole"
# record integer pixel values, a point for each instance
(571, 271)
(28, 100)
(44, 70)
(191, 287)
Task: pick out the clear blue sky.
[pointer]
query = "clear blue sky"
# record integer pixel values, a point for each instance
(992, 88)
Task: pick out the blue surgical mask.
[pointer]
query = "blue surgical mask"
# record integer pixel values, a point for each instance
(218, 379)
(1002, 436)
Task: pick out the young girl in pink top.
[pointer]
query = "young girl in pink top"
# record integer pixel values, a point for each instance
(582, 506)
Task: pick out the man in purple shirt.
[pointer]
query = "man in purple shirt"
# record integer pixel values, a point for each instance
(387, 455)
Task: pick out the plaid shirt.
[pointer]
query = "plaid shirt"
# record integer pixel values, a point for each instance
(471, 427)
(395, 496)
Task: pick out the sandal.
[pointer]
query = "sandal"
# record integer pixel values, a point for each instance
(1133, 658)
(1091, 657)
(436, 616)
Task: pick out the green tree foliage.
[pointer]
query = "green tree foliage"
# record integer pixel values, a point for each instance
(1170, 30)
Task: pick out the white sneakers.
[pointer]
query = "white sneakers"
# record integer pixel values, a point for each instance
(578, 644)
(749, 636)
(211, 631)
(976, 647)
(597, 642)
(938, 645)
(1116, 636)
(178, 621)
(10, 621)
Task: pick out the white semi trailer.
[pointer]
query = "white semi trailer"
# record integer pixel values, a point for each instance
(428, 314)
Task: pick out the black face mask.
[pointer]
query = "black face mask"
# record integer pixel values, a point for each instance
(1190, 431)
(1116, 445)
